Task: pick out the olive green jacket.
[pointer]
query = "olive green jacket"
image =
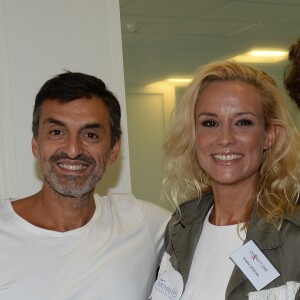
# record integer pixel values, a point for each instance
(282, 248)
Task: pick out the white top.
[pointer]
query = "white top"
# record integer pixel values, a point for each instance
(114, 256)
(211, 267)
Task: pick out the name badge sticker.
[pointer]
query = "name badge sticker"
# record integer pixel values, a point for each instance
(168, 286)
(254, 264)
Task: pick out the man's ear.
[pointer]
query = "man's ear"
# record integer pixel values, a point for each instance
(271, 136)
(112, 156)
(35, 148)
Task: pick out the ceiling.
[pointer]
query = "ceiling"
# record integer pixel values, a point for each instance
(164, 38)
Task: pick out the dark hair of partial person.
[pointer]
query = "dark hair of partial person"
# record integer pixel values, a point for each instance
(292, 73)
(70, 86)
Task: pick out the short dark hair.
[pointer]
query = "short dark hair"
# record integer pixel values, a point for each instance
(70, 86)
(292, 73)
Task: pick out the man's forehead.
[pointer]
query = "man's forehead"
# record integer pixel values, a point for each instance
(78, 111)
(92, 103)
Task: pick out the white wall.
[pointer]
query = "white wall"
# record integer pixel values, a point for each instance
(8, 176)
(149, 110)
(39, 39)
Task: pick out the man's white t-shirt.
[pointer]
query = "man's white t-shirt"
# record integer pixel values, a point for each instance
(114, 256)
(211, 267)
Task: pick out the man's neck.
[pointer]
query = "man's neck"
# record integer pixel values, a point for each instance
(52, 211)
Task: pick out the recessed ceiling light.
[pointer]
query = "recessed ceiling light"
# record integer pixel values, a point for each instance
(262, 56)
(173, 82)
(179, 80)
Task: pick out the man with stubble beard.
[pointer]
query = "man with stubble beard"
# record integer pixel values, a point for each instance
(65, 241)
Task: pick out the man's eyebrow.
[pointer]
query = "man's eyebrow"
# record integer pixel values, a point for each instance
(55, 121)
(92, 126)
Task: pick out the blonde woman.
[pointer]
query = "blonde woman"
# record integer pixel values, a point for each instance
(232, 158)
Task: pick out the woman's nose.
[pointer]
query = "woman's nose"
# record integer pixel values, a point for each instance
(226, 136)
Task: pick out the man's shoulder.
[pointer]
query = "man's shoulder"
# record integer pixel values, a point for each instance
(139, 213)
(154, 208)
(128, 202)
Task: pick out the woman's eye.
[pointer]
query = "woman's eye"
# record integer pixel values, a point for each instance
(209, 123)
(244, 122)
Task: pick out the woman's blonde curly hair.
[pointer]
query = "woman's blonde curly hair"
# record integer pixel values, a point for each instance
(277, 190)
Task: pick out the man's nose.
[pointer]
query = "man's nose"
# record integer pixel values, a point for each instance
(73, 146)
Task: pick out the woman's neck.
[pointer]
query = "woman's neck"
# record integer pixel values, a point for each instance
(229, 204)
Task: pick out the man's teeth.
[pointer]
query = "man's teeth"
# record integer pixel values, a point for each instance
(227, 157)
(73, 167)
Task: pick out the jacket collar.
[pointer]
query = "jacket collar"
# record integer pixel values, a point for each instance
(264, 234)
(194, 211)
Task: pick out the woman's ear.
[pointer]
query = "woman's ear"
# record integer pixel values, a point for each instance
(271, 136)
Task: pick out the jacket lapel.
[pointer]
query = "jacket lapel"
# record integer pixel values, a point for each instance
(237, 278)
(187, 232)
(184, 244)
